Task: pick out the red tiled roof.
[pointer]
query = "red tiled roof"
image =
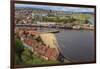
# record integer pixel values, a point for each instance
(40, 50)
(29, 42)
(51, 52)
(54, 52)
(33, 32)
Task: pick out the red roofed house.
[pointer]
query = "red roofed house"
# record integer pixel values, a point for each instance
(47, 53)
(51, 54)
(29, 43)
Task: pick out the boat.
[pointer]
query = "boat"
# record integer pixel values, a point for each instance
(54, 31)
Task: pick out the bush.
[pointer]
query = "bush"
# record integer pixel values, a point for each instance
(18, 51)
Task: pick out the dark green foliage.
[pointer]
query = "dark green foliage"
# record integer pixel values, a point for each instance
(24, 55)
(27, 56)
(19, 49)
(59, 19)
(17, 60)
(87, 21)
(19, 46)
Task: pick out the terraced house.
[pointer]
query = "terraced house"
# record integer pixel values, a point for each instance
(38, 47)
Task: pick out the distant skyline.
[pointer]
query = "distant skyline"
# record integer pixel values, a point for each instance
(57, 8)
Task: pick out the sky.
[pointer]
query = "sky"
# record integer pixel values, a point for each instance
(57, 8)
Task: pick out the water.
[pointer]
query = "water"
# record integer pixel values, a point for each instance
(77, 45)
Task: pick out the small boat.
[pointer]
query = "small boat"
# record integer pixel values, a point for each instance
(55, 31)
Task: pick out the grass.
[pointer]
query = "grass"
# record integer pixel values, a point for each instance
(39, 60)
(33, 59)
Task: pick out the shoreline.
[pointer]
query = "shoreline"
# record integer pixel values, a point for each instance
(50, 36)
(23, 26)
(51, 40)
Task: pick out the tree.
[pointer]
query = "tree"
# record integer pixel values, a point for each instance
(27, 56)
(19, 49)
(86, 21)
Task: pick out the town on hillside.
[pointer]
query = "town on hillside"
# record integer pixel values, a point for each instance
(36, 46)
(54, 19)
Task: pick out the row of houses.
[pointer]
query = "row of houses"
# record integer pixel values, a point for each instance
(42, 50)
(84, 26)
(38, 47)
(43, 12)
(29, 15)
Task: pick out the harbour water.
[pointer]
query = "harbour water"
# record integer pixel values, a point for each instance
(78, 45)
